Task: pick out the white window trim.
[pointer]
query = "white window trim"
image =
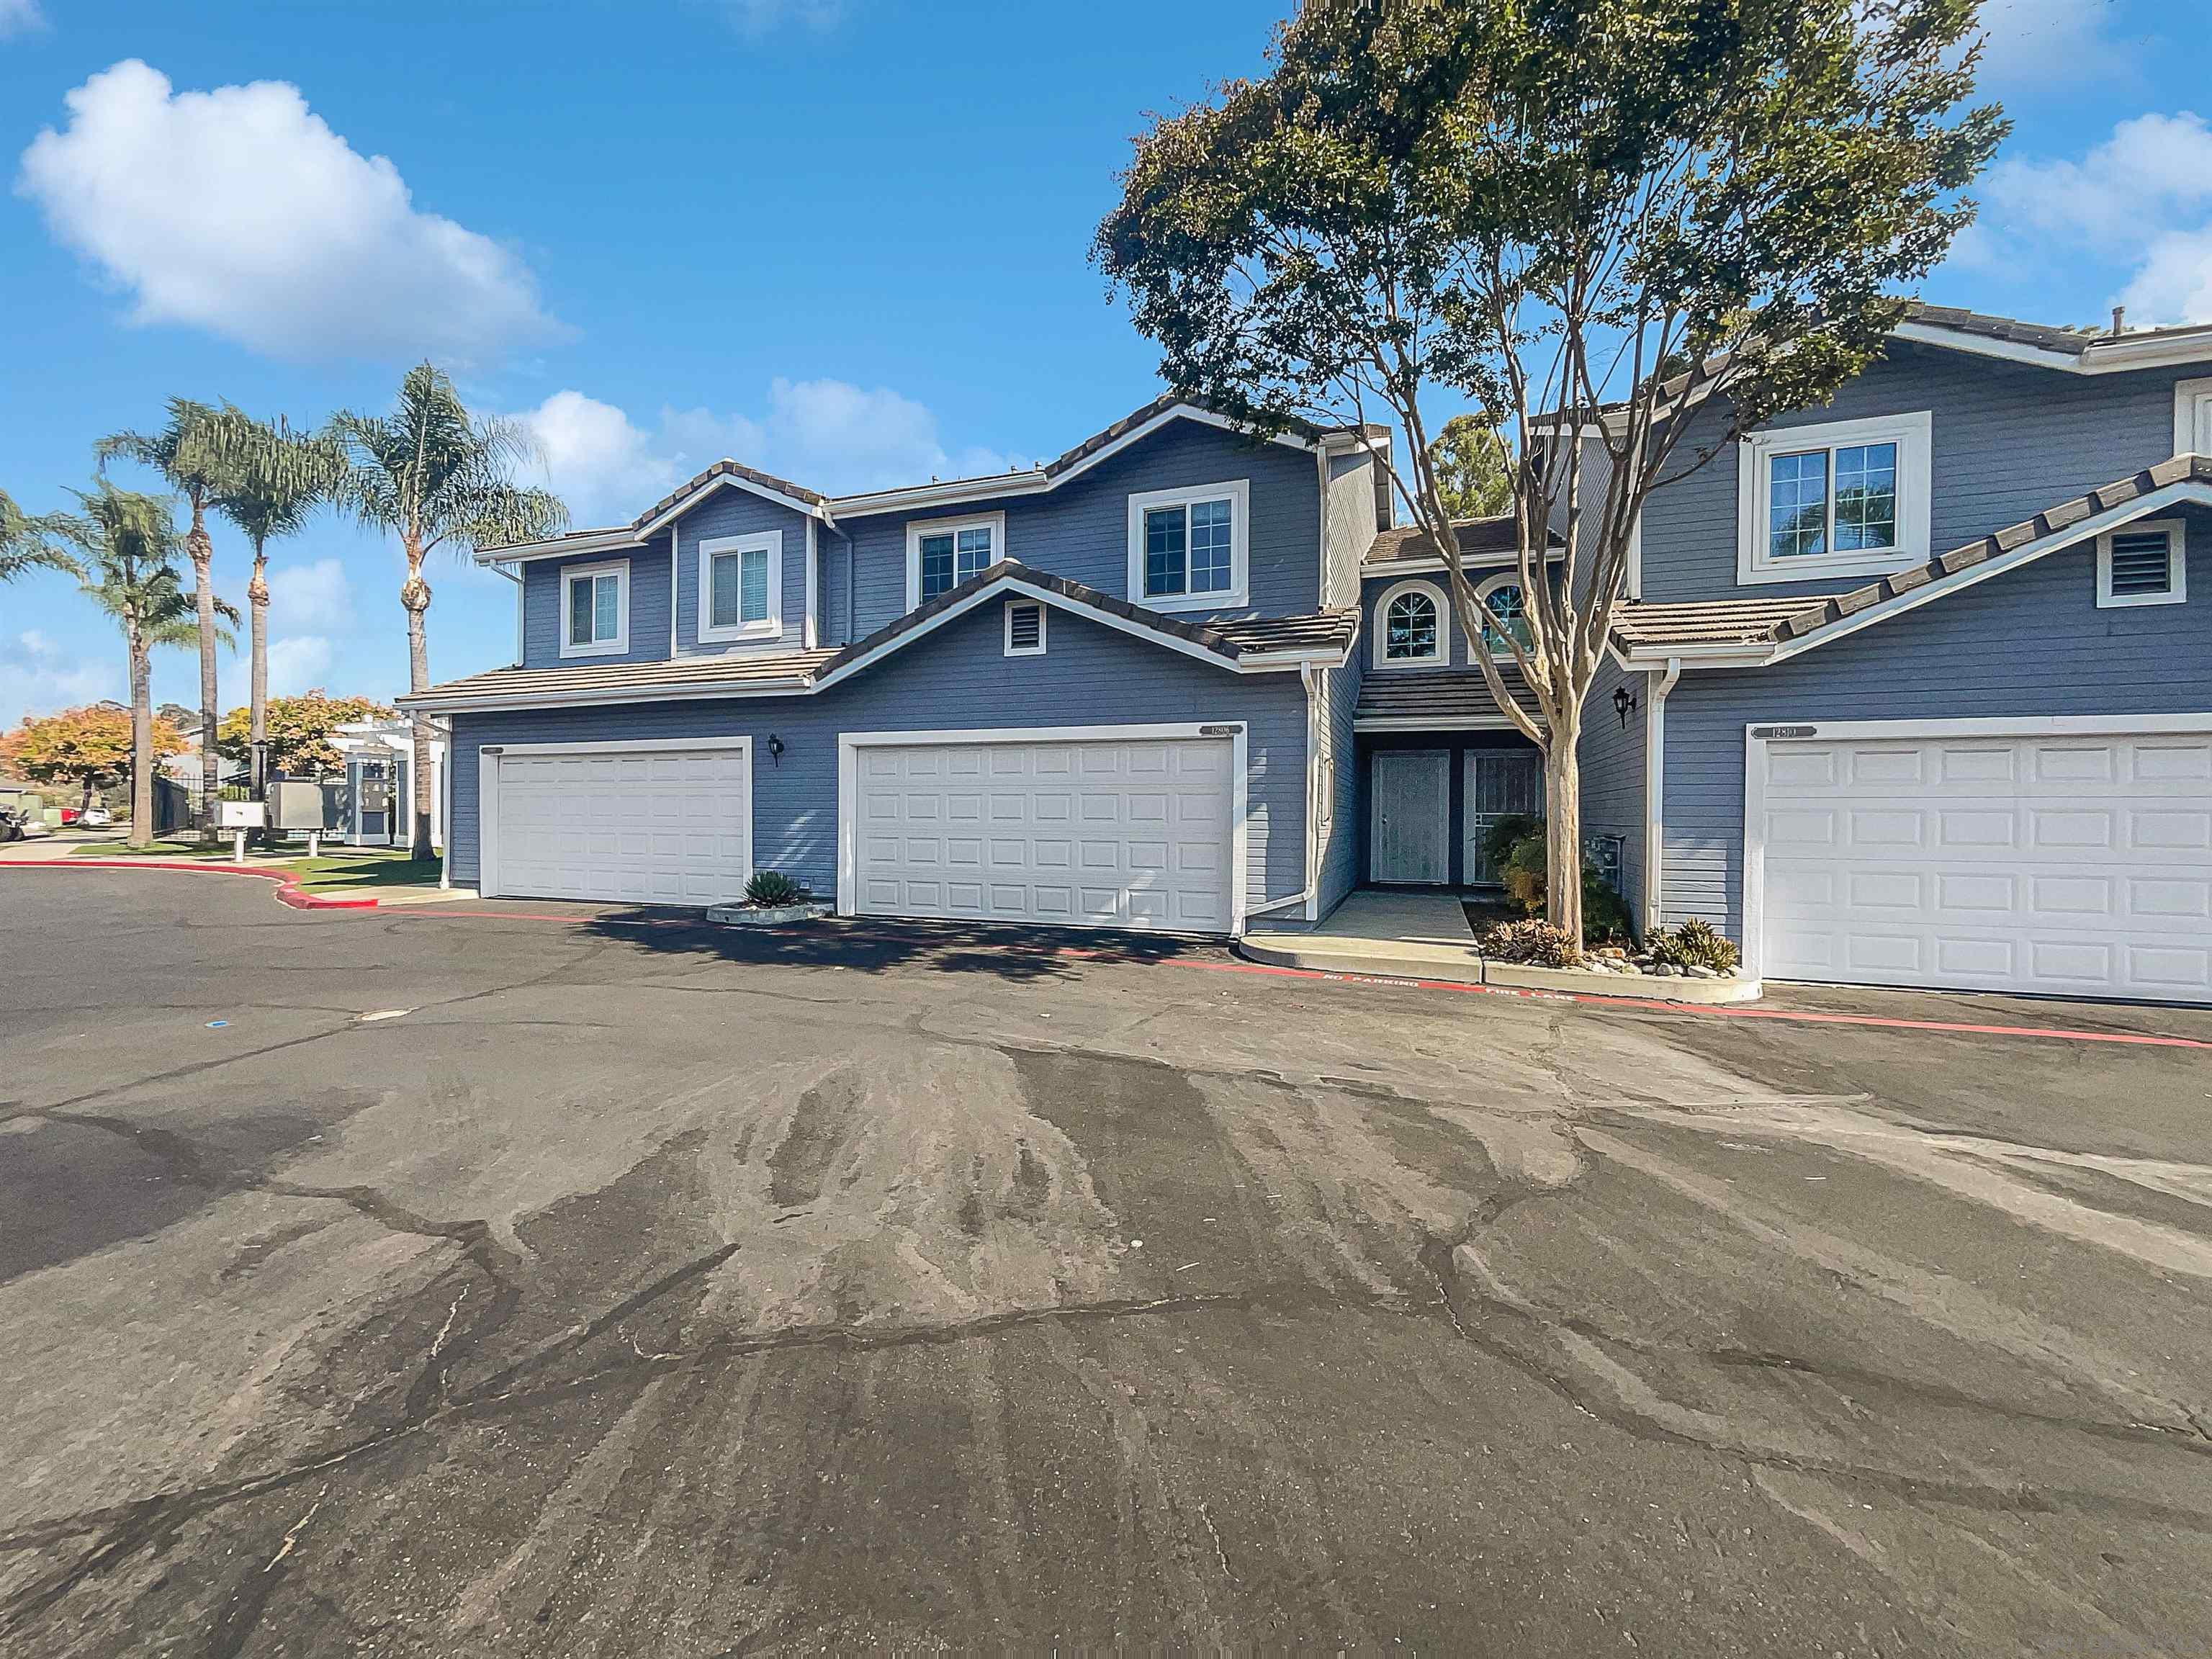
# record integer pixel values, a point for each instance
(917, 528)
(618, 646)
(1238, 493)
(1503, 579)
(770, 627)
(1912, 435)
(1043, 612)
(1441, 656)
(2176, 565)
(2193, 414)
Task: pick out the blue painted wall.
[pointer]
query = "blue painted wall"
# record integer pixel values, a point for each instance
(2029, 643)
(648, 606)
(731, 512)
(955, 678)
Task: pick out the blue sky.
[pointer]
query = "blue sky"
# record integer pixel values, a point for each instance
(844, 240)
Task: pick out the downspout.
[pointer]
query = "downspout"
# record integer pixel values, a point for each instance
(1308, 900)
(1655, 784)
(516, 578)
(811, 632)
(444, 825)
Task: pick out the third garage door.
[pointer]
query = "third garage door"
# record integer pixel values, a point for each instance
(2079, 864)
(1106, 832)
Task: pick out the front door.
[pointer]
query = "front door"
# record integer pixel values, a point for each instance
(1411, 835)
(1500, 783)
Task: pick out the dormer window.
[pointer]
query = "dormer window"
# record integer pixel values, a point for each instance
(1848, 498)
(1410, 626)
(1188, 548)
(595, 610)
(741, 587)
(943, 553)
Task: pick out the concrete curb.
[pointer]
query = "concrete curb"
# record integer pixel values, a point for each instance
(1453, 967)
(288, 890)
(738, 915)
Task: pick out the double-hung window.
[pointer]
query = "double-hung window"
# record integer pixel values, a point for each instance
(1848, 498)
(595, 610)
(741, 587)
(1188, 548)
(943, 553)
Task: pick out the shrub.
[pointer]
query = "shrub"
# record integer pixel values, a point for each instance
(1695, 945)
(1605, 920)
(1508, 833)
(770, 887)
(1535, 942)
(1521, 864)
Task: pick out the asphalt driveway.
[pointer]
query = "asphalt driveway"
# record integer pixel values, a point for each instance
(561, 1281)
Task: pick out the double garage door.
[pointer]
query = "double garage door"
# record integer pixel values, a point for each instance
(1109, 832)
(1134, 832)
(2074, 863)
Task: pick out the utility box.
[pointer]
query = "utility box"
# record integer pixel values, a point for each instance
(295, 804)
(241, 814)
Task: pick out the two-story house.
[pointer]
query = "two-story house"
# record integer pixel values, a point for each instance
(1916, 689)
(1110, 690)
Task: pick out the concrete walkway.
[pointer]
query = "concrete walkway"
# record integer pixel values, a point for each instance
(1423, 935)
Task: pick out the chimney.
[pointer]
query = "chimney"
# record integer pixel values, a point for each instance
(2119, 321)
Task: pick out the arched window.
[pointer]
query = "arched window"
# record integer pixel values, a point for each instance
(1410, 626)
(1508, 606)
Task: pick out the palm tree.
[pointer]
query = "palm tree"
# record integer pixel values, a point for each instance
(434, 475)
(127, 546)
(26, 544)
(194, 455)
(276, 478)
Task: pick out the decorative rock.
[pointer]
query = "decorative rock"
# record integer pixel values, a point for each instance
(1667, 970)
(1696, 970)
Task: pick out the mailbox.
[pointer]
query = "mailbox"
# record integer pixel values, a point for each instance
(295, 804)
(241, 814)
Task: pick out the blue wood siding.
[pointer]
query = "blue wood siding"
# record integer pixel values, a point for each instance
(1080, 531)
(649, 605)
(958, 677)
(731, 512)
(1339, 866)
(1611, 754)
(2030, 642)
(2008, 440)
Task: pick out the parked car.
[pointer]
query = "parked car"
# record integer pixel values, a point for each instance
(95, 817)
(17, 824)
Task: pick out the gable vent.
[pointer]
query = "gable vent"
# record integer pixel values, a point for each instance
(1025, 628)
(2142, 563)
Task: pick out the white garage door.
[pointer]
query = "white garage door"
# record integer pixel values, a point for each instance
(648, 826)
(1119, 833)
(2075, 865)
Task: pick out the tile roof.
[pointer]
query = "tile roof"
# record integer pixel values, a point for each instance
(728, 469)
(799, 671)
(2044, 335)
(1477, 538)
(1446, 695)
(1775, 621)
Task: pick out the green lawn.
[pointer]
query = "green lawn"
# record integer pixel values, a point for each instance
(160, 849)
(365, 868)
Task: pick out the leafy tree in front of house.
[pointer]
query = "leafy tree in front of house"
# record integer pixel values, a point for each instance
(126, 548)
(298, 730)
(433, 474)
(1474, 471)
(89, 747)
(1533, 207)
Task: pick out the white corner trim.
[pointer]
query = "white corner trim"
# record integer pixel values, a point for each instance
(1632, 578)
(675, 588)
(850, 744)
(1913, 435)
(1043, 612)
(918, 528)
(2192, 418)
(1441, 657)
(2176, 532)
(619, 645)
(767, 628)
(1656, 684)
(489, 756)
(1238, 493)
(811, 628)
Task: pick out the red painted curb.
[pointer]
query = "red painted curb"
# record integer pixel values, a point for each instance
(288, 890)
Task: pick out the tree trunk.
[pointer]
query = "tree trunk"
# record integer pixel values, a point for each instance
(202, 552)
(257, 595)
(84, 802)
(1562, 830)
(142, 746)
(415, 596)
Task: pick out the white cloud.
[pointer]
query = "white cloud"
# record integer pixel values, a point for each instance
(304, 596)
(299, 662)
(241, 212)
(2036, 43)
(2143, 195)
(828, 435)
(20, 17)
(37, 678)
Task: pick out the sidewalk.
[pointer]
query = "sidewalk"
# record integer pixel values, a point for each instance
(1425, 936)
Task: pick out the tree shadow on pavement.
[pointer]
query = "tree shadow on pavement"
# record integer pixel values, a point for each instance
(1000, 950)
